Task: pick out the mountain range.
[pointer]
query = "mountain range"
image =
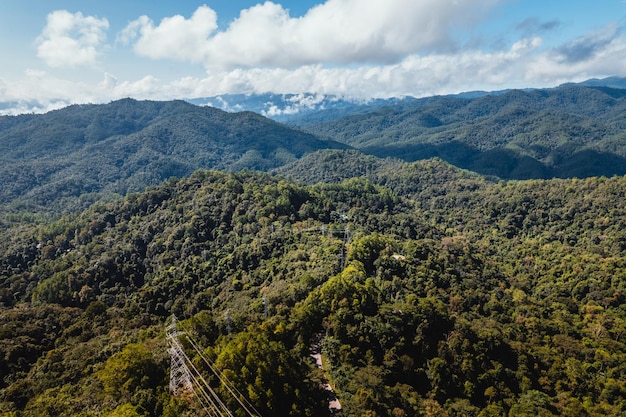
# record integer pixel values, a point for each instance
(66, 159)
(429, 289)
(296, 108)
(569, 131)
(127, 145)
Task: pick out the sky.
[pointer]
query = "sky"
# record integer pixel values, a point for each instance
(60, 52)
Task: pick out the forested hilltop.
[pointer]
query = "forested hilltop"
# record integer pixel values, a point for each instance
(436, 292)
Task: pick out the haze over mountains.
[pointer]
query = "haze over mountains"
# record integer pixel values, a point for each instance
(302, 106)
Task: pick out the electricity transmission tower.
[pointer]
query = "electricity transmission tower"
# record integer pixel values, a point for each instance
(180, 378)
(188, 382)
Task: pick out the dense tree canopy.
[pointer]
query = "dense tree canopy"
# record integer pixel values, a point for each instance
(559, 132)
(457, 296)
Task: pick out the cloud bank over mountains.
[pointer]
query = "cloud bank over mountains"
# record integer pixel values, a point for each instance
(351, 48)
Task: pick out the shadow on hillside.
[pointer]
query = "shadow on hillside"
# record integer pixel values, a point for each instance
(507, 163)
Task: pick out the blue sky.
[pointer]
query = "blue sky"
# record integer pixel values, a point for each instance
(60, 52)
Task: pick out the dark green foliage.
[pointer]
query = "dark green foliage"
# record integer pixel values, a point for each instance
(64, 160)
(459, 296)
(259, 364)
(570, 131)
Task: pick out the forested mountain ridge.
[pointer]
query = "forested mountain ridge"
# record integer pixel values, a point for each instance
(458, 296)
(407, 179)
(85, 151)
(569, 131)
(304, 108)
(66, 159)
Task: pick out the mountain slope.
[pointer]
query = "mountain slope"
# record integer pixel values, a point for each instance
(64, 160)
(562, 132)
(503, 298)
(127, 145)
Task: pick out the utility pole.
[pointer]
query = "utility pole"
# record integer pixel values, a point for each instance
(343, 218)
(264, 307)
(343, 248)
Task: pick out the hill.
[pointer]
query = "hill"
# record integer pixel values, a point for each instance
(65, 160)
(82, 152)
(420, 181)
(438, 293)
(569, 131)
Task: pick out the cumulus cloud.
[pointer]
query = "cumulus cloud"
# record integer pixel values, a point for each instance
(355, 49)
(175, 37)
(71, 39)
(415, 75)
(335, 32)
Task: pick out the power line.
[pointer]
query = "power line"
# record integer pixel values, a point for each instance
(187, 381)
(236, 394)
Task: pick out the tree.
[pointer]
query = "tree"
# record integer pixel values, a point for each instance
(132, 369)
(269, 375)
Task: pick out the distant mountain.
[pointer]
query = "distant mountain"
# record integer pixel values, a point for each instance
(302, 108)
(66, 159)
(569, 131)
(297, 108)
(127, 145)
(611, 82)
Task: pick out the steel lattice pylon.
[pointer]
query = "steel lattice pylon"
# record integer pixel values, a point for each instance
(180, 378)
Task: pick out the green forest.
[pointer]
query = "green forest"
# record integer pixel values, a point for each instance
(564, 132)
(433, 292)
(65, 160)
(447, 256)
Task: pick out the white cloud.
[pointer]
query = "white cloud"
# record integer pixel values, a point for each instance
(71, 40)
(175, 37)
(523, 64)
(336, 32)
(109, 82)
(40, 92)
(390, 48)
(298, 103)
(592, 55)
(414, 75)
